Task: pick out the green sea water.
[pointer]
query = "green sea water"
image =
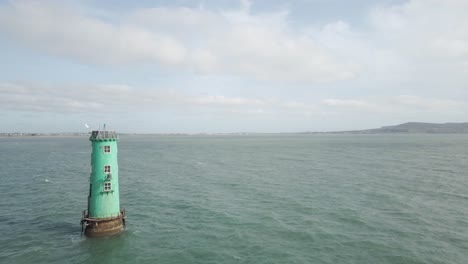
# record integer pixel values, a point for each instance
(243, 199)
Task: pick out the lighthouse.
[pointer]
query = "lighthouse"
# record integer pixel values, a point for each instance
(103, 216)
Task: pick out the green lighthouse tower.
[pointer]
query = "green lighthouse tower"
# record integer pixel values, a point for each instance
(103, 216)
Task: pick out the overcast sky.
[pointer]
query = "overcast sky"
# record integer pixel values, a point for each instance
(231, 66)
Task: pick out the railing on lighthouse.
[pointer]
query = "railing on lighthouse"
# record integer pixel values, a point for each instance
(103, 135)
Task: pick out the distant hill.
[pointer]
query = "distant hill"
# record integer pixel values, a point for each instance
(417, 127)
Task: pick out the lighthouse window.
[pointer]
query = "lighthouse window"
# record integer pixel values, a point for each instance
(107, 187)
(106, 149)
(107, 169)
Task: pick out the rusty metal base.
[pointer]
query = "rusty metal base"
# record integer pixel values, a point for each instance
(99, 227)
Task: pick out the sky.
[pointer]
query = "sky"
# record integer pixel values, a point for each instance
(231, 66)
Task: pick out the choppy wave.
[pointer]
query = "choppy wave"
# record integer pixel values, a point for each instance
(263, 199)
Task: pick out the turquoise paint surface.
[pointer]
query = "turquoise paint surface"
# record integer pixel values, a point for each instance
(102, 203)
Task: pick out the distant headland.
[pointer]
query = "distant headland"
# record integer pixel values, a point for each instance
(412, 128)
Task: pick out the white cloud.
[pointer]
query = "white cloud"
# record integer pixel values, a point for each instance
(111, 102)
(423, 42)
(400, 104)
(63, 31)
(67, 98)
(225, 101)
(425, 29)
(353, 103)
(417, 37)
(428, 104)
(86, 99)
(263, 46)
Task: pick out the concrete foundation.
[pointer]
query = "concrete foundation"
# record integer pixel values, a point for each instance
(99, 227)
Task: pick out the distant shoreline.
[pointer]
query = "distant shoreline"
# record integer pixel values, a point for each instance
(405, 128)
(42, 135)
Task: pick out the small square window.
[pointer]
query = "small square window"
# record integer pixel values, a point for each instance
(106, 149)
(107, 187)
(107, 169)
